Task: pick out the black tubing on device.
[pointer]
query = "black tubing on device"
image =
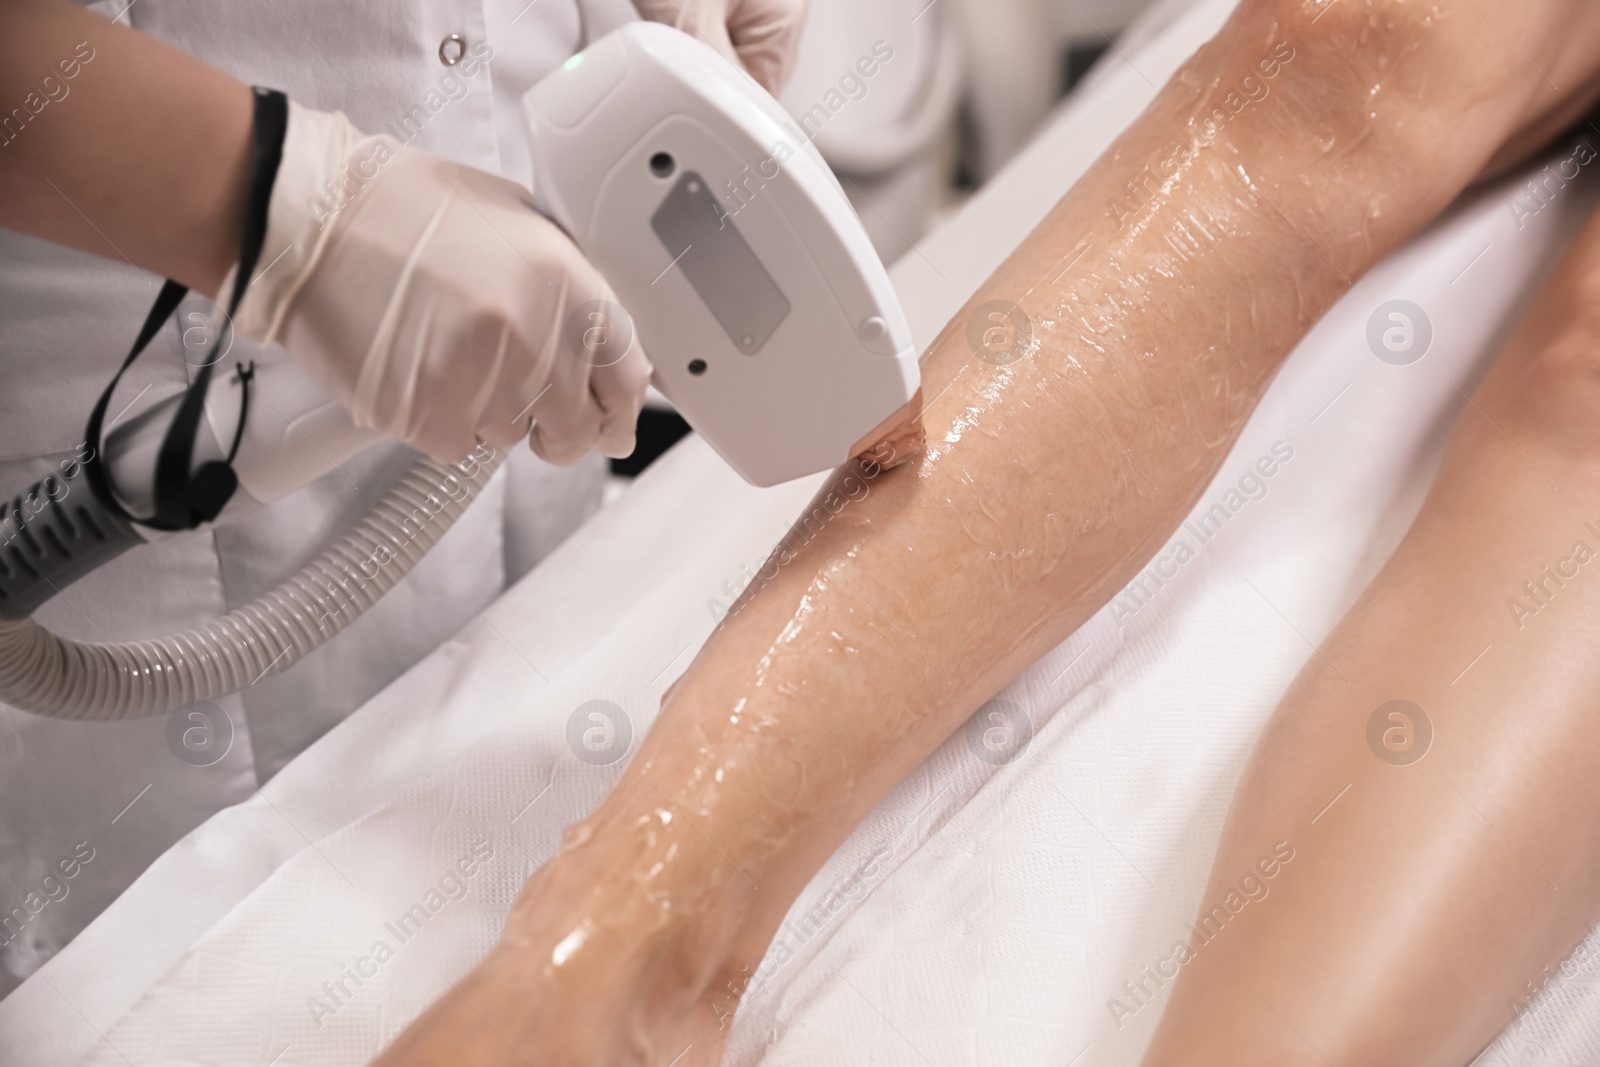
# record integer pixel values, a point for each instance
(52, 535)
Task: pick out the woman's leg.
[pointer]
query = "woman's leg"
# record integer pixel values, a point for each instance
(1162, 292)
(1447, 849)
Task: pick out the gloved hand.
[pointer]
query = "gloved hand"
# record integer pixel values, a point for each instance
(762, 35)
(435, 304)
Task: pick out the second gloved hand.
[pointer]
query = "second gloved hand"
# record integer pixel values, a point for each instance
(436, 305)
(762, 35)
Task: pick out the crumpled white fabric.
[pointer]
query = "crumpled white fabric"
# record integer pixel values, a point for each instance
(984, 913)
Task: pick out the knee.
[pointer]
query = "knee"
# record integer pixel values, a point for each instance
(1394, 57)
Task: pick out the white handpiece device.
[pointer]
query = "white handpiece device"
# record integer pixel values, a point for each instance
(749, 279)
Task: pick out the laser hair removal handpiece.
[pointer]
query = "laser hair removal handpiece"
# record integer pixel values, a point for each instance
(743, 270)
(767, 313)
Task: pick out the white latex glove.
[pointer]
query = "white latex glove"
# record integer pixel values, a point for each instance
(435, 304)
(763, 35)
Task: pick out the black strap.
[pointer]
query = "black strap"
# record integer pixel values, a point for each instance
(186, 498)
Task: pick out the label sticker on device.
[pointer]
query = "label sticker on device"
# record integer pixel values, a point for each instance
(700, 236)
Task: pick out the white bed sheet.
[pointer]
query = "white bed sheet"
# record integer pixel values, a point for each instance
(983, 914)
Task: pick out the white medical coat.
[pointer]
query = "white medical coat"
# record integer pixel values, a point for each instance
(117, 791)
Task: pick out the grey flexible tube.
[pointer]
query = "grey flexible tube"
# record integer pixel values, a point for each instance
(49, 675)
